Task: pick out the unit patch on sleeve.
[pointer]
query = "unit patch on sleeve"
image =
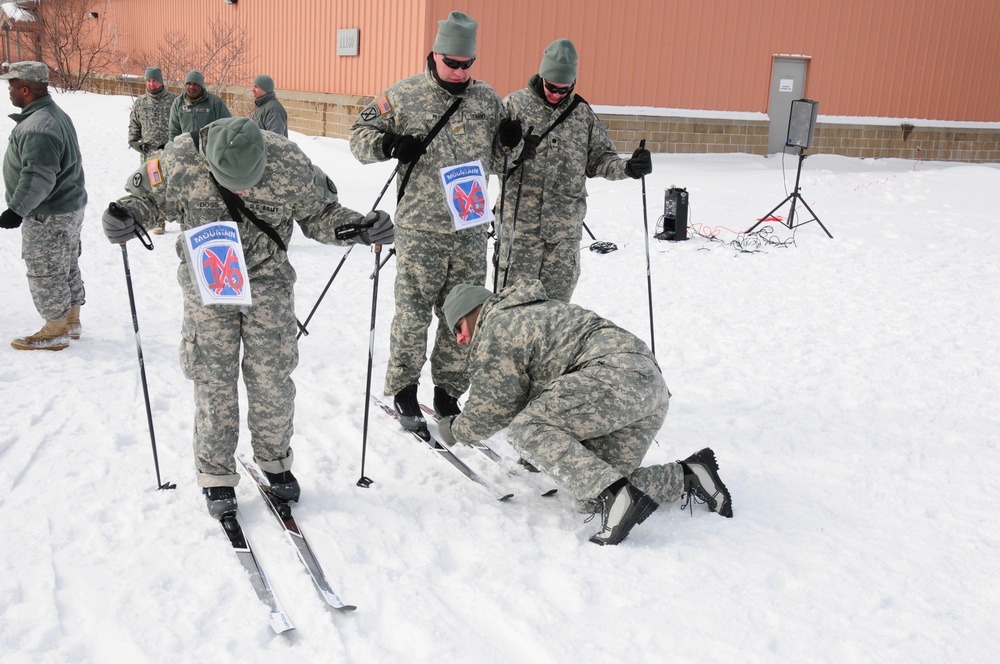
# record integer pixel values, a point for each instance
(380, 106)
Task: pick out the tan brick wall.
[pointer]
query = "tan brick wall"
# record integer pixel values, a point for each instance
(332, 115)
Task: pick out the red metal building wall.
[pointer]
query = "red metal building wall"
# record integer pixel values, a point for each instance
(927, 59)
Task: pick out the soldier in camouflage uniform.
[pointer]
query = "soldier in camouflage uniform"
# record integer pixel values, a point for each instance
(278, 184)
(581, 399)
(149, 122)
(554, 189)
(432, 256)
(46, 192)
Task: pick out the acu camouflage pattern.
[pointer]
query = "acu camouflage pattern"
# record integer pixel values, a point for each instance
(554, 190)
(428, 266)
(433, 256)
(581, 397)
(50, 247)
(292, 188)
(149, 122)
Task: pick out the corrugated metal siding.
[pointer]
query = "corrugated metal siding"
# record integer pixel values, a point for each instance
(930, 59)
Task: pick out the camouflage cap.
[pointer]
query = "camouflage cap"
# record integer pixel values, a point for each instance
(28, 70)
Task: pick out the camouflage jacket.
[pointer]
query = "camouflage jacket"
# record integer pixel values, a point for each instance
(149, 121)
(178, 186)
(413, 106)
(522, 342)
(187, 115)
(554, 190)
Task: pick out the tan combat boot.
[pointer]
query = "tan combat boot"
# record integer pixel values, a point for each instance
(73, 322)
(54, 335)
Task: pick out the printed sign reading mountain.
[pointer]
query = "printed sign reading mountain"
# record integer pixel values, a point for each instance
(466, 195)
(215, 256)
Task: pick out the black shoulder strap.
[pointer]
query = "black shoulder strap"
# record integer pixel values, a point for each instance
(427, 141)
(577, 100)
(235, 205)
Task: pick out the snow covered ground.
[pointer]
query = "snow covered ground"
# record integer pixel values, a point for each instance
(848, 387)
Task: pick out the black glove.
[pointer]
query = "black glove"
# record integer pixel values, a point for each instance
(405, 148)
(444, 430)
(509, 132)
(374, 228)
(120, 222)
(640, 164)
(530, 146)
(10, 219)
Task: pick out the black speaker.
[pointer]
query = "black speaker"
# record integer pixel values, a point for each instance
(674, 222)
(801, 123)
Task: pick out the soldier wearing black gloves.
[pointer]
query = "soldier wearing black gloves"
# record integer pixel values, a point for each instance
(439, 118)
(46, 197)
(570, 144)
(278, 184)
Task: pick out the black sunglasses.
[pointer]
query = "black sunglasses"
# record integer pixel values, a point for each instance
(456, 64)
(556, 90)
(458, 327)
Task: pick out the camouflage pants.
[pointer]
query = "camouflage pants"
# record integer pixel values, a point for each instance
(591, 427)
(428, 266)
(555, 264)
(211, 339)
(50, 247)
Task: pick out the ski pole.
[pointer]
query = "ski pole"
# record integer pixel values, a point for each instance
(302, 327)
(513, 222)
(499, 224)
(649, 281)
(142, 366)
(365, 481)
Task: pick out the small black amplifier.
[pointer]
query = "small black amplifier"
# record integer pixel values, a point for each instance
(674, 222)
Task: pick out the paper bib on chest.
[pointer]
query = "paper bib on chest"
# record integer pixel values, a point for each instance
(215, 256)
(466, 195)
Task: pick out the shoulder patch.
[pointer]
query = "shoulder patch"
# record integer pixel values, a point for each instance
(153, 170)
(380, 106)
(137, 179)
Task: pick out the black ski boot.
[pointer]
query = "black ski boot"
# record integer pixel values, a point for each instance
(408, 409)
(445, 405)
(284, 486)
(701, 479)
(622, 507)
(221, 501)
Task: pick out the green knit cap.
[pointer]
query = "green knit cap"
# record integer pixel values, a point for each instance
(559, 62)
(194, 76)
(462, 299)
(236, 152)
(456, 36)
(154, 74)
(264, 82)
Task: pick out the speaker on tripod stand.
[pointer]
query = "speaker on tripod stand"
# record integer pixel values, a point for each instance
(801, 125)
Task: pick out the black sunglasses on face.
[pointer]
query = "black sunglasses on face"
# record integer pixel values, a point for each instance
(458, 327)
(556, 90)
(456, 64)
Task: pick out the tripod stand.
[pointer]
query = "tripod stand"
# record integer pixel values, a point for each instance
(793, 197)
